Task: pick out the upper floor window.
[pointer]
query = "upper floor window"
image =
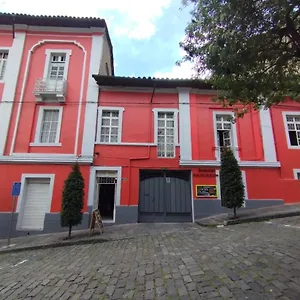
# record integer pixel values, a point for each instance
(48, 126)
(57, 66)
(166, 131)
(165, 134)
(3, 62)
(293, 129)
(110, 124)
(225, 133)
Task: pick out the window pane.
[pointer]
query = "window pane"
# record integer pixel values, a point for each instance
(49, 126)
(227, 126)
(289, 118)
(293, 138)
(170, 123)
(291, 126)
(109, 126)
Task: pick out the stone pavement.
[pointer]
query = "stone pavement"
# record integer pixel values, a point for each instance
(247, 261)
(252, 215)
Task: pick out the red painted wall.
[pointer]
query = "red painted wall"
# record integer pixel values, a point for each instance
(202, 130)
(289, 158)
(10, 173)
(28, 118)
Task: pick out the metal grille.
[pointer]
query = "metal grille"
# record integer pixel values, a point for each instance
(3, 61)
(165, 135)
(106, 180)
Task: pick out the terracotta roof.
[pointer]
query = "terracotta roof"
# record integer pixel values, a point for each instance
(57, 21)
(150, 82)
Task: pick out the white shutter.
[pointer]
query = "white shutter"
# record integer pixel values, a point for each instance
(36, 204)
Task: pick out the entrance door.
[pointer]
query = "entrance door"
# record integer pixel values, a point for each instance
(36, 204)
(106, 197)
(165, 196)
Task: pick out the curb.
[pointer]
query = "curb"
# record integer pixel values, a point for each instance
(251, 219)
(54, 245)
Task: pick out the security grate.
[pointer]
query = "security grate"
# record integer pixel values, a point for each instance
(107, 180)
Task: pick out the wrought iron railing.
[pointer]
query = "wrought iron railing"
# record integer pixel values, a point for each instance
(49, 86)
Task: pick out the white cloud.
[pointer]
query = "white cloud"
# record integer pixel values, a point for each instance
(185, 70)
(136, 18)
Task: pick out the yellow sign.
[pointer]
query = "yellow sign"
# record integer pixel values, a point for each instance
(206, 191)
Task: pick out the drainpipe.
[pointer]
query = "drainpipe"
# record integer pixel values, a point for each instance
(145, 157)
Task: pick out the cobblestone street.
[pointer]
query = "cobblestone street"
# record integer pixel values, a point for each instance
(248, 261)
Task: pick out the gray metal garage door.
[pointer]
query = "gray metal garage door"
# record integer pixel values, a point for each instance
(165, 196)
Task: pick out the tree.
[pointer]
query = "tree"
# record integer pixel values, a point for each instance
(232, 187)
(72, 199)
(250, 48)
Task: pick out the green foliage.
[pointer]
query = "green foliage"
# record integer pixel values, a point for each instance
(232, 187)
(72, 199)
(251, 48)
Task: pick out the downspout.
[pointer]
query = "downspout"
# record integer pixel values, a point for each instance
(145, 157)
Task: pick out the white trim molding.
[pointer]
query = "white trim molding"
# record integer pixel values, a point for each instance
(50, 52)
(284, 115)
(127, 144)
(185, 124)
(11, 79)
(166, 110)
(234, 146)
(217, 163)
(267, 135)
(21, 198)
(39, 126)
(24, 83)
(296, 172)
(37, 158)
(92, 95)
(92, 186)
(120, 110)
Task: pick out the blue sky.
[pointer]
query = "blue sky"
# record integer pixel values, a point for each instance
(145, 34)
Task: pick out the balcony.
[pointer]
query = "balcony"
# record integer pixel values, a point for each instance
(50, 90)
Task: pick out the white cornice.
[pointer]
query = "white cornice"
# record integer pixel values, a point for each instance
(217, 163)
(35, 158)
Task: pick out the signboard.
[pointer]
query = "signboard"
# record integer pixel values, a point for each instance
(206, 191)
(16, 188)
(96, 220)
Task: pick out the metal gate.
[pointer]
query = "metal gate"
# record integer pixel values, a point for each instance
(165, 196)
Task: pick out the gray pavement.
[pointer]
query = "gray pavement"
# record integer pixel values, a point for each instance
(246, 261)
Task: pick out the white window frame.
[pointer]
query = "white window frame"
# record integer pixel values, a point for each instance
(39, 127)
(120, 127)
(233, 131)
(284, 115)
(296, 171)
(175, 111)
(21, 198)
(5, 49)
(49, 53)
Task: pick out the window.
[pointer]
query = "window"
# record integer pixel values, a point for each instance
(296, 174)
(225, 133)
(48, 126)
(3, 62)
(109, 127)
(109, 124)
(166, 134)
(57, 66)
(293, 128)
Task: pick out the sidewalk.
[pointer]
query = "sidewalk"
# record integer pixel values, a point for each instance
(80, 237)
(252, 215)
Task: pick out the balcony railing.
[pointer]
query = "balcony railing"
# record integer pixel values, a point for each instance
(50, 89)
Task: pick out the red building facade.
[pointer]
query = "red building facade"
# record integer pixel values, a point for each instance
(149, 149)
